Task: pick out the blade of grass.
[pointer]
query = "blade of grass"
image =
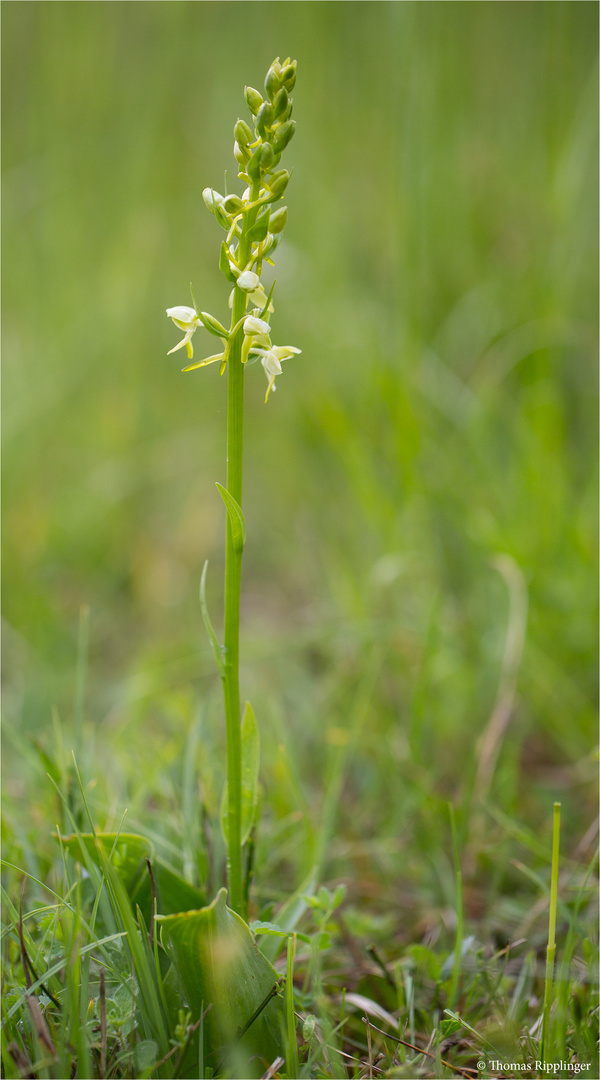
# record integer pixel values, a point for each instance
(293, 1065)
(551, 947)
(459, 934)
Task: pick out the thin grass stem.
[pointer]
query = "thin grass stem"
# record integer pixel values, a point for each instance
(458, 939)
(551, 948)
(293, 1066)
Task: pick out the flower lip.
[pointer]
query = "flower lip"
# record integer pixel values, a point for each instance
(284, 352)
(271, 363)
(186, 319)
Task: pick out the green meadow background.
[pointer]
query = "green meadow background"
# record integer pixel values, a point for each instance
(420, 493)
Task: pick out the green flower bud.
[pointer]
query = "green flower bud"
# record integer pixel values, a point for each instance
(272, 81)
(211, 199)
(240, 155)
(223, 218)
(278, 220)
(288, 76)
(232, 204)
(242, 133)
(253, 99)
(284, 135)
(280, 104)
(253, 166)
(213, 325)
(269, 243)
(267, 157)
(264, 119)
(278, 182)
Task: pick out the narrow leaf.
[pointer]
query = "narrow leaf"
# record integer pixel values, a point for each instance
(250, 770)
(269, 298)
(260, 228)
(213, 325)
(236, 518)
(204, 363)
(208, 624)
(290, 914)
(127, 853)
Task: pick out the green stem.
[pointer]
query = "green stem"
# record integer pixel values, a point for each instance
(551, 949)
(460, 920)
(233, 579)
(293, 1066)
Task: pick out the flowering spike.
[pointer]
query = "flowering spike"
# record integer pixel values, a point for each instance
(252, 234)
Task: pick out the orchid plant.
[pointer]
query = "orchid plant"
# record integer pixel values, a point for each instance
(253, 227)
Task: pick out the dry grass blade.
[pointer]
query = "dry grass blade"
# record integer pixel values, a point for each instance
(274, 1067)
(20, 1060)
(468, 1073)
(41, 1028)
(370, 1049)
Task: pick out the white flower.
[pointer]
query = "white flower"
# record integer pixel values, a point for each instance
(248, 281)
(253, 325)
(271, 361)
(186, 319)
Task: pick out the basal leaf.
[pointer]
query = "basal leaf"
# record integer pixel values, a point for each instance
(127, 853)
(173, 892)
(219, 963)
(128, 858)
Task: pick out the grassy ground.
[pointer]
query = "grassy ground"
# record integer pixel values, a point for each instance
(420, 497)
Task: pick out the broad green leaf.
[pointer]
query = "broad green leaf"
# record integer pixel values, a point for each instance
(219, 963)
(128, 858)
(218, 651)
(250, 770)
(449, 1027)
(236, 518)
(173, 892)
(127, 853)
(272, 929)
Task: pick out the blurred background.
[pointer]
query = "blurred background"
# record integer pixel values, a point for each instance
(420, 493)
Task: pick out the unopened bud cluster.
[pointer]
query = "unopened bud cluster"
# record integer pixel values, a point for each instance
(252, 224)
(258, 154)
